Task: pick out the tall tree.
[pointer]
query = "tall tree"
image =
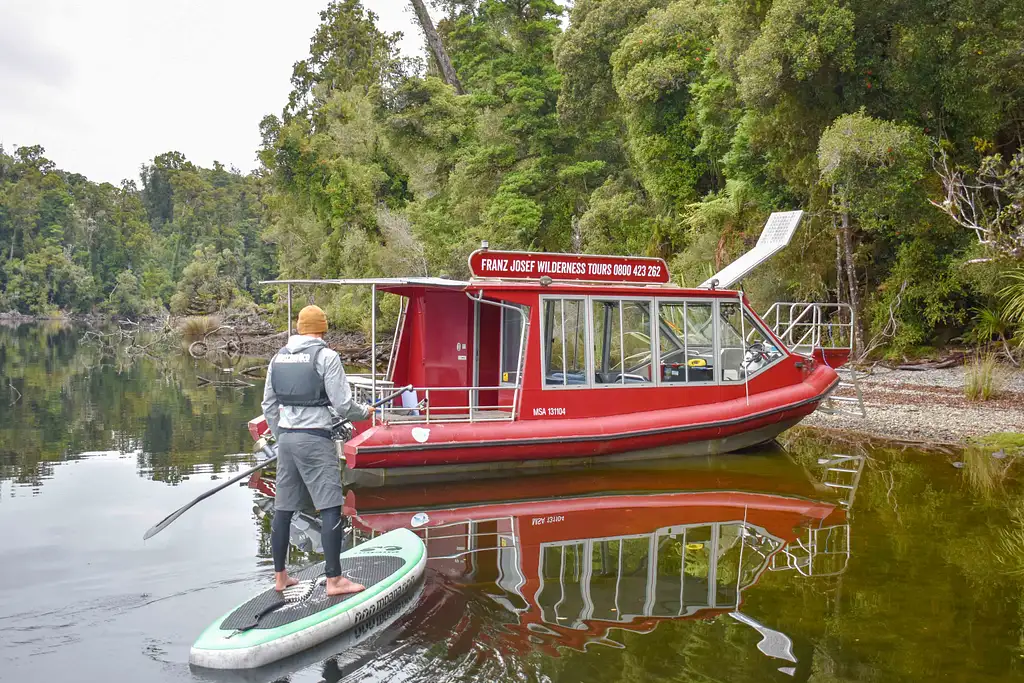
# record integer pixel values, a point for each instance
(444, 64)
(873, 169)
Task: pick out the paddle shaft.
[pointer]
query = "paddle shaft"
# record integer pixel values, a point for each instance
(166, 521)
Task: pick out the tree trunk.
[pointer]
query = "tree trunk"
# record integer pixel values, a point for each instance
(437, 47)
(839, 263)
(851, 280)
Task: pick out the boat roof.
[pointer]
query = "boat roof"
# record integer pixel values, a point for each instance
(379, 281)
(495, 286)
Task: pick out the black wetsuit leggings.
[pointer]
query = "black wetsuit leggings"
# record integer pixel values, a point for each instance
(333, 535)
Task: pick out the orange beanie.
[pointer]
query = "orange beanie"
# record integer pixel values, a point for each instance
(312, 321)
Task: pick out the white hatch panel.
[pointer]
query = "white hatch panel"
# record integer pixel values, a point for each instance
(777, 233)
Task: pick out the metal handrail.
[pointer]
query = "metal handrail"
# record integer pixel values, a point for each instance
(452, 413)
(811, 324)
(816, 549)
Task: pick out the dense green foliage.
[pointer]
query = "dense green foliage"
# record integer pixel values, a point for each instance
(667, 127)
(188, 239)
(664, 127)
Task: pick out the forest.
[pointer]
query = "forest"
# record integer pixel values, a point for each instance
(657, 127)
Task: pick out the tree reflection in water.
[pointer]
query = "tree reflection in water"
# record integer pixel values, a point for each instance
(78, 397)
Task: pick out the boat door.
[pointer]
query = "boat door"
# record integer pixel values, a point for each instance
(497, 349)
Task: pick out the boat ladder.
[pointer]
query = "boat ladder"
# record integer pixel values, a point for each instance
(847, 398)
(842, 474)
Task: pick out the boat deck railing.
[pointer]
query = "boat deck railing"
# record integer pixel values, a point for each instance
(824, 551)
(805, 326)
(427, 405)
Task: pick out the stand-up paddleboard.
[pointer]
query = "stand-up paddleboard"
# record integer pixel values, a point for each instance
(274, 625)
(339, 654)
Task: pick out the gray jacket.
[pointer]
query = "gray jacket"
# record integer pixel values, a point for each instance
(328, 365)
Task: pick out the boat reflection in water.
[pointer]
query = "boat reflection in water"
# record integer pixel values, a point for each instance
(573, 556)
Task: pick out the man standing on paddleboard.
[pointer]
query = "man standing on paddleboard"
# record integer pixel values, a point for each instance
(303, 379)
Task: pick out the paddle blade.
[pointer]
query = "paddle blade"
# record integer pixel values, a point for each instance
(164, 523)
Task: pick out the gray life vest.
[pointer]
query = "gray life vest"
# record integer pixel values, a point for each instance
(295, 379)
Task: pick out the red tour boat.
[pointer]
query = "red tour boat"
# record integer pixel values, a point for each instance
(556, 357)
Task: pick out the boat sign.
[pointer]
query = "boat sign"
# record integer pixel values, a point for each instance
(516, 265)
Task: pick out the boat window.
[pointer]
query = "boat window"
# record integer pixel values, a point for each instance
(622, 342)
(633, 577)
(699, 567)
(727, 564)
(564, 579)
(565, 342)
(745, 349)
(511, 334)
(687, 336)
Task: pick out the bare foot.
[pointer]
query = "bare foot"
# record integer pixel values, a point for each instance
(339, 585)
(282, 581)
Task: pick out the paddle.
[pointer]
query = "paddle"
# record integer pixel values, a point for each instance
(272, 456)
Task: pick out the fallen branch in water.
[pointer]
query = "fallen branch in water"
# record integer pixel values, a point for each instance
(251, 371)
(234, 382)
(232, 347)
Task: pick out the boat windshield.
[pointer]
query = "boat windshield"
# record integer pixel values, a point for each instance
(745, 348)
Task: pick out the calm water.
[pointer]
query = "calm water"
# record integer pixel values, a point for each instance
(879, 564)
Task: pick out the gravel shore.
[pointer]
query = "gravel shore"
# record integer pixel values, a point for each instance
(928, 406)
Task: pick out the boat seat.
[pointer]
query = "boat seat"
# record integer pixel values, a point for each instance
(732, 365)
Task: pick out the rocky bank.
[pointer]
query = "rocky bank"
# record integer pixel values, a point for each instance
(929, 406)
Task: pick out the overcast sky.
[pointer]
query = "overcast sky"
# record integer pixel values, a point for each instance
(105, 85)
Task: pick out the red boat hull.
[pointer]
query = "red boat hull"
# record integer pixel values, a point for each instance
(706, 428)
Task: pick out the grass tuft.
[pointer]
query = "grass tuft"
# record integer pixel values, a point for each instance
(984, 379)
(985, 474)
(196, 327)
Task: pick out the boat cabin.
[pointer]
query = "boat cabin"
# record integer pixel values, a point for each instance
(486, 350)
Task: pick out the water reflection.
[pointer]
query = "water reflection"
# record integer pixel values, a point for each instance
(574, 560)
(893, 564)
(67, 397)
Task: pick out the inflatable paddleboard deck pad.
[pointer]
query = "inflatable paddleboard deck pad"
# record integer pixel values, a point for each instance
(274, 625)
